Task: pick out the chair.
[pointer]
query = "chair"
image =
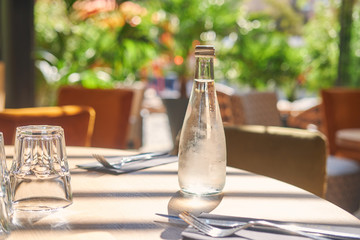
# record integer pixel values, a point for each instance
(175, 110)
(77, 122)
(260, 108)
(112, 107)
(341, 116)
(135, 129)
(225, 106)
(224, 95)
(310, 118)
(343, 183)
(295, 156)
(251, 108)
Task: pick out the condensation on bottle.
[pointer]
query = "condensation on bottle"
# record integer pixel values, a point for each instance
(202, 147)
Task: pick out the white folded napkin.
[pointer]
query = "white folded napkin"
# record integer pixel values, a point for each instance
(131, 166)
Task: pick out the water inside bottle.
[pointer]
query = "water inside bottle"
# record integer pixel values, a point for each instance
(202, 150)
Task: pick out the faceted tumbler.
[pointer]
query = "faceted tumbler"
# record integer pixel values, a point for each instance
(39, 175)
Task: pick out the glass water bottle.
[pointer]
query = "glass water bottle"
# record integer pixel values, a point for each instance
(202, 149)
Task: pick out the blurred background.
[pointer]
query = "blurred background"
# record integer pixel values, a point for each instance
(293, 47)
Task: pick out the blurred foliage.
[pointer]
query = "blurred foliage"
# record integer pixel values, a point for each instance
(75, 44)
(264, 52)
(184, 24)
(98, 43)
(355, 46)
(261, 55)
(321, 49)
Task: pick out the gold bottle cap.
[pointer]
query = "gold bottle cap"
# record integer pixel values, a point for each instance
(205, 50)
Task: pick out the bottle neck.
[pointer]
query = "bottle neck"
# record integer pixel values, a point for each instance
(204, 68)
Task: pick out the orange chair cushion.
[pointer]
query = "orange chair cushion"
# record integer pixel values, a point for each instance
(348, 138)
(77, 122)
(340, 109)
(112, 107)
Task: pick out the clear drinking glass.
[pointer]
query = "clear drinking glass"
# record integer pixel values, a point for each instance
(39, 175)
(5, 195)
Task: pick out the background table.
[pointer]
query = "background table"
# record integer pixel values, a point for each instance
(124, 206)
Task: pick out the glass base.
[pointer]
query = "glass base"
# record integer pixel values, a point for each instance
(41, 204)
(199, 192)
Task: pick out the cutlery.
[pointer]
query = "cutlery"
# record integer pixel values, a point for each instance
(234, 223)
(214, 222)
(118, 162)
(220, 232)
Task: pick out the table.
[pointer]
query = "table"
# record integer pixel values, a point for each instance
(123, 207)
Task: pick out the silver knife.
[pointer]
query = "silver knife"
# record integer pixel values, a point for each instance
(231, 223)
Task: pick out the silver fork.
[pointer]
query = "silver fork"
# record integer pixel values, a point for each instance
(101, 159)
(126, 159)
(219, 232)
